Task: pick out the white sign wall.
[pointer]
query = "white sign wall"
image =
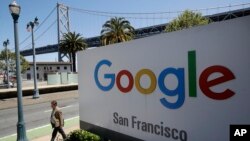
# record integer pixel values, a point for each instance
(189, 85)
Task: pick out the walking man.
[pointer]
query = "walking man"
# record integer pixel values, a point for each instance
(56, 121)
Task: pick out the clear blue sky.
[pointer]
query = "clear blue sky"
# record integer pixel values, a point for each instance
(90, 25)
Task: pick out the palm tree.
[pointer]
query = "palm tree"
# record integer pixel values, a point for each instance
(186, 20)
(116, 30)
(71, 43)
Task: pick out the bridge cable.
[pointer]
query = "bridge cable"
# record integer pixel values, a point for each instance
(39, 36)
(112, 14)
(37, 27)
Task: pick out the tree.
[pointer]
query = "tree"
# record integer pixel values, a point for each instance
(12, 61)
(71, 43)
(186, 20)
(116, 30)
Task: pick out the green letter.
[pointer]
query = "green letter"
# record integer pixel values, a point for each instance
(192, 74)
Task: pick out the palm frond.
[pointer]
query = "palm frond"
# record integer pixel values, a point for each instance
(116, 30)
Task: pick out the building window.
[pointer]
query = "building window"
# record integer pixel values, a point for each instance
(37, 75)
(50, 68)
(45, 76)
(28, 76)
(58, 68)
(28, 68)
(65, 67)
(37, 68)
(44, 68)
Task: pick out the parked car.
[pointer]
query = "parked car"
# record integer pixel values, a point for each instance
(10, 83)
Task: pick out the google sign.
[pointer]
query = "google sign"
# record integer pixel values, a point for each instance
(189, 85)
(205, 84)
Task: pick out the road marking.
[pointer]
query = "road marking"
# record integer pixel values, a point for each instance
(60, 108)
(47, 111)
(7, 136)
(30, 130)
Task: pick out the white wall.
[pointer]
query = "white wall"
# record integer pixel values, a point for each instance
(201, 118)
(41, 70)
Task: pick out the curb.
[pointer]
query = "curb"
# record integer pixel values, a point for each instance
(12, 93)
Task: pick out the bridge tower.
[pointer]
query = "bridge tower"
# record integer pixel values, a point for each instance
(62, 27)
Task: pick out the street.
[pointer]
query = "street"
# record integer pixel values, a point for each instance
(36, 115)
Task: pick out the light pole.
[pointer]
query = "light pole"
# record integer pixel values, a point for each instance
(31, 26)
(21, 131)
(5, 44)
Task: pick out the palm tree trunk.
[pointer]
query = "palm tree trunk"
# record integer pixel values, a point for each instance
(70, 60)
(74, 61)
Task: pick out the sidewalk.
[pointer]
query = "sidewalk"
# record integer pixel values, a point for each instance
(28, 90)
(47, 138)
(70, 125)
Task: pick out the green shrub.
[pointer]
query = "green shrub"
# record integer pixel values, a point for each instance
(82, 135)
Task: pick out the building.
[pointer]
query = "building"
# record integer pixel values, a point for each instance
(44, 68)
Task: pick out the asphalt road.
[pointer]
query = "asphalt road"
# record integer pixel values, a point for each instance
(35, 115)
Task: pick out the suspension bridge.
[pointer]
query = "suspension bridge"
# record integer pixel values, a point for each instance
(63, 24)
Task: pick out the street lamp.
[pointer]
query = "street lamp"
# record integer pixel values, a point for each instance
(30, 27)
(21, 131)
(5, 44)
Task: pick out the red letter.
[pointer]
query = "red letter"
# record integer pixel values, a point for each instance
(205, 84)
(130, 81)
